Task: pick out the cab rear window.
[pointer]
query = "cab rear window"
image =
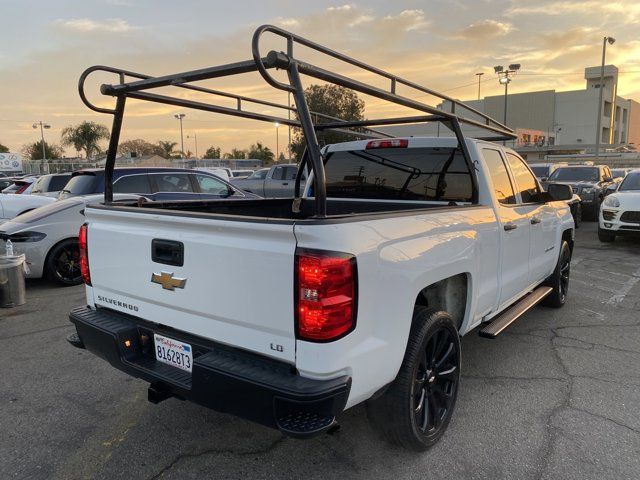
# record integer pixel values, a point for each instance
(419, 174)
(82, 184)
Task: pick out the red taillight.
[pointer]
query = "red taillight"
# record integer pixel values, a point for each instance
(326, 291)
(84, 254)
(393, 143)
(23, 188)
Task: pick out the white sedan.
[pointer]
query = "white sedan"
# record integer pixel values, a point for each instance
(620, 211)
(13, 205)
(48, 236)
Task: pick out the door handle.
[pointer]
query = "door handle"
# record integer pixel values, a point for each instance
(285, 183)
(535, 220)
(510, 226)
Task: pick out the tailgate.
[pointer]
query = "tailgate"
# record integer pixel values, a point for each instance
(238, 287)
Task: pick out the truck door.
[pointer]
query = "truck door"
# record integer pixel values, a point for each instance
(514, 229)
(281, 183)
(543, 220)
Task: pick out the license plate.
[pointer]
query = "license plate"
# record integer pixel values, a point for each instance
(173, 352)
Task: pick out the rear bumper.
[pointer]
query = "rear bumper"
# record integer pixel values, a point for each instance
(228, 380)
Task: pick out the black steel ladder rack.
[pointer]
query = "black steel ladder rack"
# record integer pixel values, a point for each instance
(140, 85)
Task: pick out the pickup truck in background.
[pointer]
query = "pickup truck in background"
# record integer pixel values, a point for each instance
(361, 284)
(278, 182)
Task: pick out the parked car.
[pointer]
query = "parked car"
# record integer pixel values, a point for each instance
(223, 173)
(48, 237)
(5, 182)
(620, 212)
(13, 205)
(543, 170)
(618, 174)
(155, 183)
(278, 182)
(50, 185)
(590, 182)
(22, 185)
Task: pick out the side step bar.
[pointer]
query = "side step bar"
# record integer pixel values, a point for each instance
(496, 326)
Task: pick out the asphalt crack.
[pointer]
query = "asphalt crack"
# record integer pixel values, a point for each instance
(272, 446)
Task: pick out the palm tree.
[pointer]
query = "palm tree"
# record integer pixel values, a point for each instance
(85, 136)
(261, 152)
(167, 147)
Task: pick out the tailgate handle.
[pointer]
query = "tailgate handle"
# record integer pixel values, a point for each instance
(167, 252)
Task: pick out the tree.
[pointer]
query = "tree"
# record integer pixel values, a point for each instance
(236, 153)
(33, 151)
(167, 147)
(139, 147)
(260, 152)
(4, 149)
(330, 100)
(85, 136)
(281, 158)
(212, 152)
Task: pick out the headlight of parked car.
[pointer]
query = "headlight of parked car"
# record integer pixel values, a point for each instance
(589, 190)
(612, 201)
(26, 237)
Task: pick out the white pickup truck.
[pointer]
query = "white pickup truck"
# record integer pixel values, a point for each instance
(289, 311)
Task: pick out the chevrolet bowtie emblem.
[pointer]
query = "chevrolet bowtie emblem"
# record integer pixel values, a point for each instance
(167, 280)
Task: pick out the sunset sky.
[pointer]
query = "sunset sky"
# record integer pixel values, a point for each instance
(44, 46)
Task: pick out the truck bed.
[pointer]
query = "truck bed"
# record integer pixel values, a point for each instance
(278, 210)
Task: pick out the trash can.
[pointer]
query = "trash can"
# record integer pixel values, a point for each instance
(12, 288)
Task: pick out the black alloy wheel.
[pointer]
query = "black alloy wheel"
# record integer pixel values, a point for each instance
(63, 263)
(435, 382)
(415, 409)
(559, 279)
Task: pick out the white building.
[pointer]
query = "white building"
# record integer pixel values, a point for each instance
(566, 119)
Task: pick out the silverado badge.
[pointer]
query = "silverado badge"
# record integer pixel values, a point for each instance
(167, 280)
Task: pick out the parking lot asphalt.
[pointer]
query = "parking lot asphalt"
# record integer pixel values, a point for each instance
(556, 396)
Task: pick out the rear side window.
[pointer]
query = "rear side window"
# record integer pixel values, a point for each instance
(40, 185)
(290, 173)
(525, 181)
(419, 174)
(58, 182)
(173, 182)
(82, 184)
(499, 177)
(132, 184)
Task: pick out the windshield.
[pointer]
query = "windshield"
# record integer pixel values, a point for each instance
(575, 174)
(82, 184)
(258, 175)
(616, 173)
(630, 182)
(540, 171)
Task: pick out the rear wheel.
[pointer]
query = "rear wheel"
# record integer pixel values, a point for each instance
(415, 410)
(605, 236)
(63, 263)
(559, 280)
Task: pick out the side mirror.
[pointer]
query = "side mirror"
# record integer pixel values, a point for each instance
(607, 179)
(558, 191)
(544, 179)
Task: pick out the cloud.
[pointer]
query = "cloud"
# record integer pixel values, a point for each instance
(87, 25)
(485, 30)
(629, 9)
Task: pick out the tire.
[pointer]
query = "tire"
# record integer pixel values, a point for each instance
(605, 236)
(577, 219)
(427, 382)
(559, 279)
(62, 265)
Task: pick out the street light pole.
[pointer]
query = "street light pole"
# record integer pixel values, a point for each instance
(180, 116)
(611, 41)
(195, 138)
(289, 116)
(504, 78)
(42, 127)
(277, 141)
(479, 74)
